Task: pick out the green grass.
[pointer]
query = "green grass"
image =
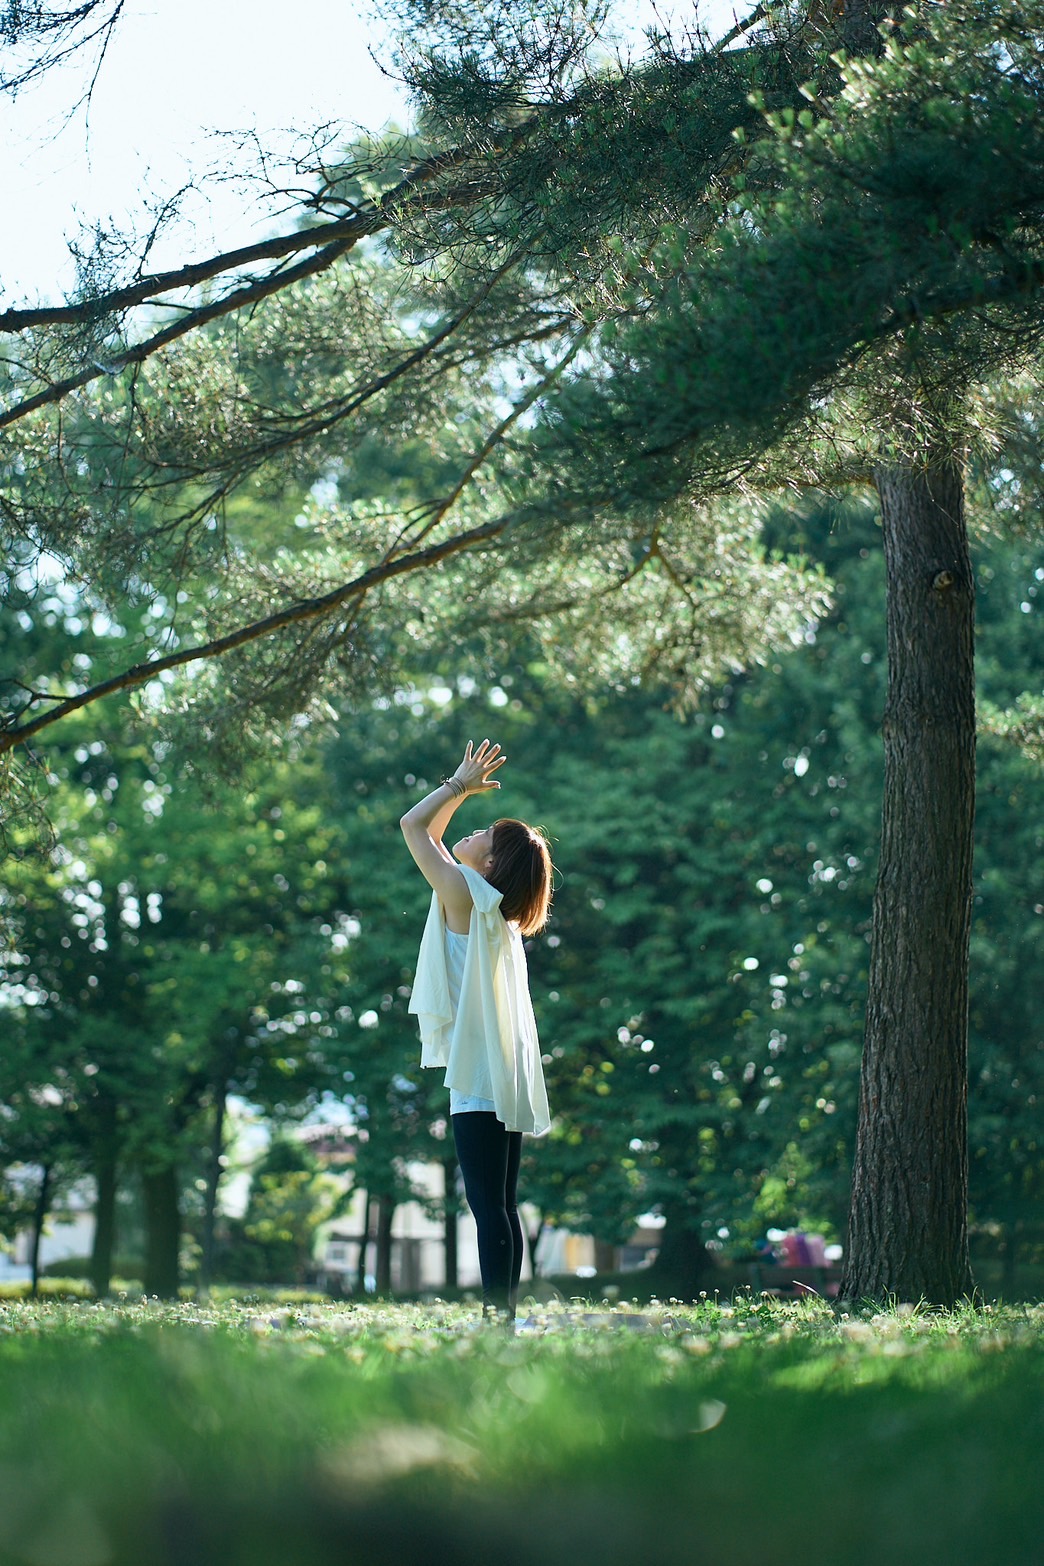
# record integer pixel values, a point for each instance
(743, 1434)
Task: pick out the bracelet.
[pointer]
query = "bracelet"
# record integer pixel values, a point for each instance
(456, 787)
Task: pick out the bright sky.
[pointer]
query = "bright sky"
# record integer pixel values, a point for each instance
(177, 72)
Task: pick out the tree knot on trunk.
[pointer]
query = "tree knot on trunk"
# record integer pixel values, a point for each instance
(943, 579)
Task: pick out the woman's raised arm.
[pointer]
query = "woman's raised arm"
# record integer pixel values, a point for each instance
(424, 824)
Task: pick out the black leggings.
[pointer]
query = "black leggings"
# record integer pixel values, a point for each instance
(489, 1156)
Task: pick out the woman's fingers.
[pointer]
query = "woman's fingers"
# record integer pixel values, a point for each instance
(483, 754)
(483, 760)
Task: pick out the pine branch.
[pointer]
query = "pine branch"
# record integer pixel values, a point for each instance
(496, 436)
(298, 613)
(319, 421)
(50, 29)
(275, 282)
(145, 289)
(1022, 279)
(739, 28)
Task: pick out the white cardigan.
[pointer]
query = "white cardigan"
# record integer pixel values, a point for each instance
(490, 1048)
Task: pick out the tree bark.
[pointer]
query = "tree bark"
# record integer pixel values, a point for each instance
(382, 1270)
(908, 1229)
(40, 1211)
(162, 1232)
(105, 1168)
(604, 1256)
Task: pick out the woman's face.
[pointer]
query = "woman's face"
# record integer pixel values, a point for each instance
(475, 849)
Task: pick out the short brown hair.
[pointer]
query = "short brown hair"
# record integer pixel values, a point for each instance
(520, 867)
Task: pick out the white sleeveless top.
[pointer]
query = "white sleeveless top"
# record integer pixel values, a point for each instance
(456, 951)
(485, 1037)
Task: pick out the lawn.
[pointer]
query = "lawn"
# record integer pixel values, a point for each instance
(740, 1433)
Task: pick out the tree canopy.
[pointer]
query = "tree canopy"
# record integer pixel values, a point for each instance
(604, 295)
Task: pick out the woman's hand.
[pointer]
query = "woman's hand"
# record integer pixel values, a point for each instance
(477, 768)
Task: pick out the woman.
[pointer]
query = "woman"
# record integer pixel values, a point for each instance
(471, 998)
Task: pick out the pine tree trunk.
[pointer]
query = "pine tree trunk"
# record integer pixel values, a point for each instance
(162, 1232)
(105, 1168)
(908, 1229)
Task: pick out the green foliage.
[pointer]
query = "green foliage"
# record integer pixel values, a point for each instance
(710, 954)
(625, 291)
(290, 1198)
(165, 922)
(172, 948)
(668, 837)
(883, 262)
(587, 158)
(617, 287)
(1021, 725)
(58, 1287)
(385, 407)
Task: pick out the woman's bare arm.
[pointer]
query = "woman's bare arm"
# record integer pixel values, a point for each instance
(424, 824)
(440, 821)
